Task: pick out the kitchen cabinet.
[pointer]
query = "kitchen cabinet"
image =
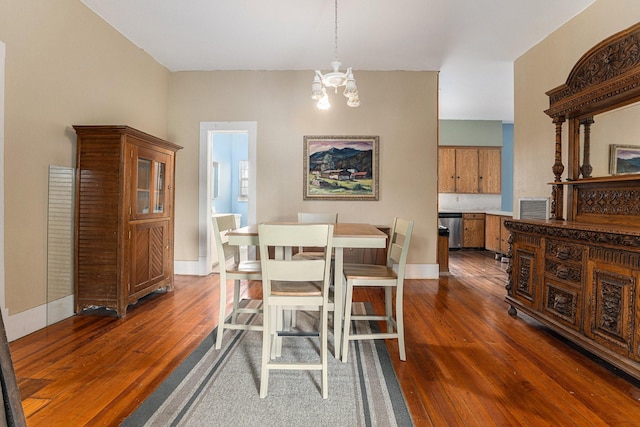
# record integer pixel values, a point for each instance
(124, 216)
(469, 169)
(446, 170)
(489, 170)
(496, 236)
(473, 230)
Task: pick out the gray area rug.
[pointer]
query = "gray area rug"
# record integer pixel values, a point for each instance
(221, 387)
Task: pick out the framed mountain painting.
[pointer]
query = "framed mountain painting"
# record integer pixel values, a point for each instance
(340, 168)
(624, 159)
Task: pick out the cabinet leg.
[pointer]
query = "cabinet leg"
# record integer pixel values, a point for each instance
(512, 311)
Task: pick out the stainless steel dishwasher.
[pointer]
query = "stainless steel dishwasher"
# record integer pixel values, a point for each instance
(453, 221)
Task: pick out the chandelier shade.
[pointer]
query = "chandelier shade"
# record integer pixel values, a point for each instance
(335, 79)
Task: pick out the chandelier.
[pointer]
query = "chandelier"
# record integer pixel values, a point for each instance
(335, 79)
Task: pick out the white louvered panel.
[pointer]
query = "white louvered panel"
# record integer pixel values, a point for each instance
(60, 233)
(534, 208)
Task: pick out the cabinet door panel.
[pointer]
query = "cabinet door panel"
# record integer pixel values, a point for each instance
(504, 236)
(612, 307)
(149, 255)
(489, 170)
(525, 277)
(446, 170)
(466, 170)
(492, 233)
(473, 230)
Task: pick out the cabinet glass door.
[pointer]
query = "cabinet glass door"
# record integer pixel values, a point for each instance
(151, 193)
(144, 186)
(158, 199)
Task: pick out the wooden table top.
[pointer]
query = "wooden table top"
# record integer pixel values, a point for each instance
(340, 229)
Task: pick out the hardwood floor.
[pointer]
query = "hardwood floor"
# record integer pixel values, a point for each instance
(468, 362)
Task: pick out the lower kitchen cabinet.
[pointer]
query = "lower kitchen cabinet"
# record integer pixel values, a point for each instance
(496, 236)
(473, 230)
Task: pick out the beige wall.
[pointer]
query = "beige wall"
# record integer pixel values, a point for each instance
(399, 107)
(64, 66)
(546, 66)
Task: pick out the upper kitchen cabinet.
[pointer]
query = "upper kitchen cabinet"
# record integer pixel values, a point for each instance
(469, 169)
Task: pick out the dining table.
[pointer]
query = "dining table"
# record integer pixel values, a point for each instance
(345, 235)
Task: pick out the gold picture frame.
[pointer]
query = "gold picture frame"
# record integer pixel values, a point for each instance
(624, 159)
(341, 168)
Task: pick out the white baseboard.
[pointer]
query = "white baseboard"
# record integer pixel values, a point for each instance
(23, 323)
(421, 271)
(190, 268)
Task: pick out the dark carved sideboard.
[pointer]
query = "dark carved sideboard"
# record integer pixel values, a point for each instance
(582, 281)
(580, 276)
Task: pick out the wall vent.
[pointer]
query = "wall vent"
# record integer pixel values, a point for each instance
(534, 208)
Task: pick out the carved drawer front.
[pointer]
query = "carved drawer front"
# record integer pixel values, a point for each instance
(564, 261)
(524, 272)
(564, 252)
(613, 298)
(563, 303)
(564, 271)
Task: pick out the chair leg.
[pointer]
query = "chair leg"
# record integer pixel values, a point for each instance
(267, 334)
(236, 300)
(400, 326)
(324, 330)
(347, 321)
(222, 313)
(278, 320)
(388, 307)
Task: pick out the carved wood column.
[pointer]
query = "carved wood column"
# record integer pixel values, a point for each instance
(557, 192)
(586, 168)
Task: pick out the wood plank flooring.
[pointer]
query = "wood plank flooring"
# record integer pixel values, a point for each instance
(468, 362)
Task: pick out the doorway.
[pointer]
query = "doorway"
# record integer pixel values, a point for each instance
(227, 180)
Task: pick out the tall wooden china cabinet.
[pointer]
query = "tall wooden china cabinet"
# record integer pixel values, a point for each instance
(124, 216)
(580, 276)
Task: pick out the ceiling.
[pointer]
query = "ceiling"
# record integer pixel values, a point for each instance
(473, 43)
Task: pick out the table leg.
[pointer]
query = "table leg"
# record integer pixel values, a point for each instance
(338, 287)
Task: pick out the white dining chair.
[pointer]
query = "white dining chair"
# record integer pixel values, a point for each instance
(361, 275)
(294, 284)
(315, 218)
(237, 271)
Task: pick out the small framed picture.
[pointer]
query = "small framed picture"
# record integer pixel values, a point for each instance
(340, 168)
(624, 159)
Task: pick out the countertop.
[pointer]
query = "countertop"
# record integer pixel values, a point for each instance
(490, 212)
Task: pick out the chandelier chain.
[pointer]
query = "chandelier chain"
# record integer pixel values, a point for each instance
(334, 78)
(335, 53)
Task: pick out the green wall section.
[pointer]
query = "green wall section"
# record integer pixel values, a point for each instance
(471, 132)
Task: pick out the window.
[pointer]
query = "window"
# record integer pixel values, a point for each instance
(243, 193)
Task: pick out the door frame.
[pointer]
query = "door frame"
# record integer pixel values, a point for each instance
(205, 259)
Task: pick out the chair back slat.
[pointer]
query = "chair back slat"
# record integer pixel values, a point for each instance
(399, 244)
(299, 270)
(317, 218)
(294, 234)
(221, 226)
